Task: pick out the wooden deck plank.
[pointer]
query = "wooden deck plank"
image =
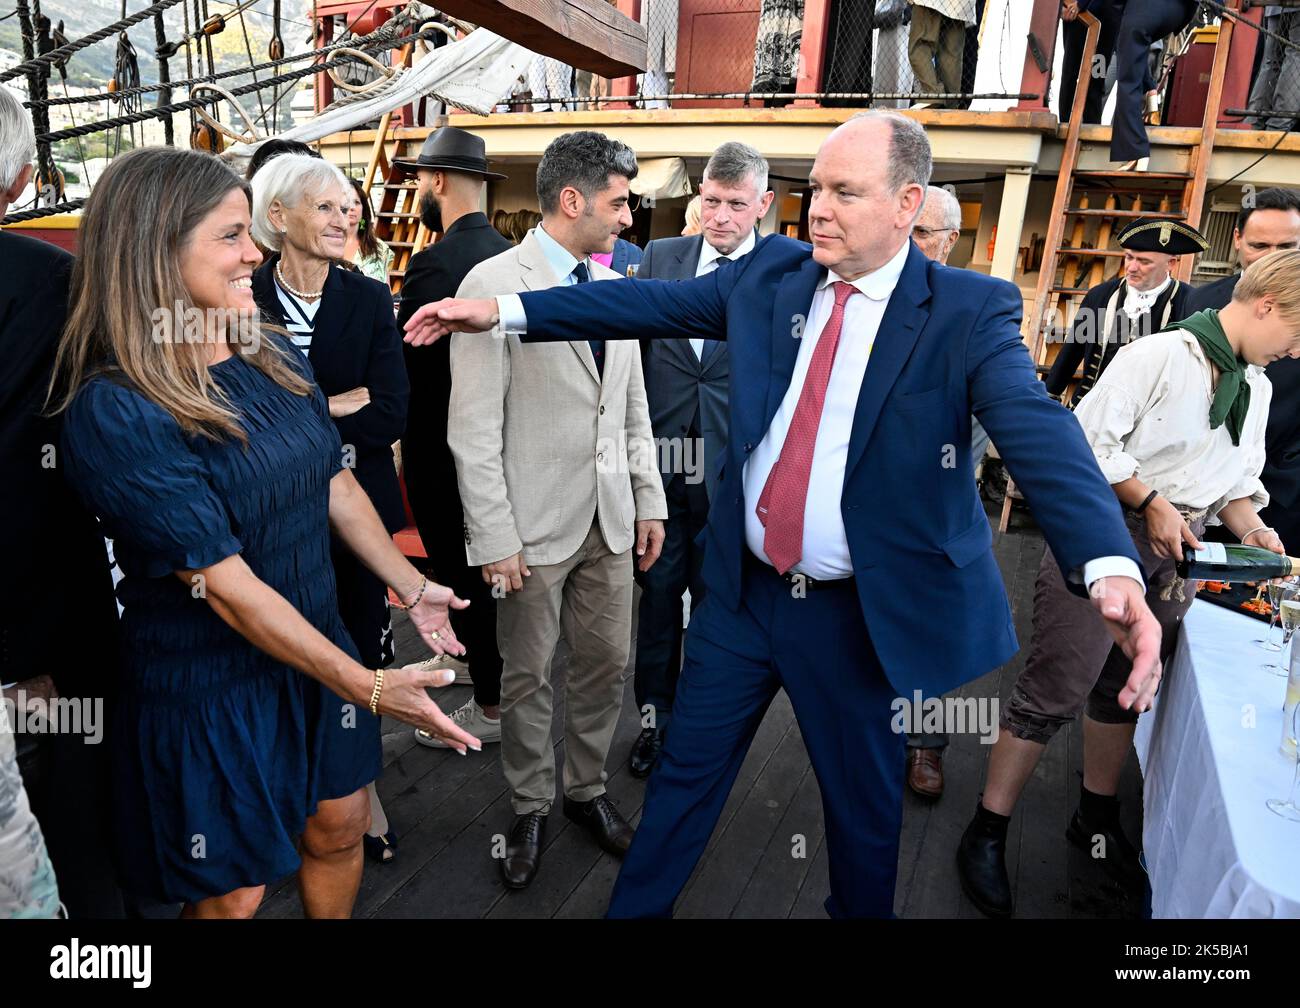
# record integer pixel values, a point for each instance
(738, 849)
(778, 720)
(779, 877)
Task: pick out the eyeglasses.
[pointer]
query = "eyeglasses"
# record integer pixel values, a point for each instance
(925, 232)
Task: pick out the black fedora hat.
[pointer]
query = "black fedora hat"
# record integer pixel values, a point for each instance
(452, 149)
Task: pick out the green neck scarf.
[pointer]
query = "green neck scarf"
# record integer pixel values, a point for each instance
(1232, 398)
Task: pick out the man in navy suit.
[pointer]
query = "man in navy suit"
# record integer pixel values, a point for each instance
(847, 557)
(686, 384)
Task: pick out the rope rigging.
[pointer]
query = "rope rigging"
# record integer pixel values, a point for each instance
(194, 103)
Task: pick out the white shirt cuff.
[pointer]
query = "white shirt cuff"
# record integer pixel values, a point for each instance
(511, 312)
(1111, 566)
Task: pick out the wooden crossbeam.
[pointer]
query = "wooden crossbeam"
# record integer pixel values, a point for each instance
(588, 34)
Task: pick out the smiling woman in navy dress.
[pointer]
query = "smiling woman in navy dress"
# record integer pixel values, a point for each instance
(246, 733)
(343, 321)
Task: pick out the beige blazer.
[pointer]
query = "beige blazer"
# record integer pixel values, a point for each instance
(542, 444)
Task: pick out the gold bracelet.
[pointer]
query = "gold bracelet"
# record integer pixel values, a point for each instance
(374, 694)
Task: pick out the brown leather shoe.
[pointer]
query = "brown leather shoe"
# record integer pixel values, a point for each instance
(925, 772)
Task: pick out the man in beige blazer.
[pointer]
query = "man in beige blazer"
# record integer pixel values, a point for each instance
(559, 477)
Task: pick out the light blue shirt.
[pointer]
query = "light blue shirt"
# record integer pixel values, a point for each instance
(561, 260)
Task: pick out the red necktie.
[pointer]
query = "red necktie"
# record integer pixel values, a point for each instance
(781, 505)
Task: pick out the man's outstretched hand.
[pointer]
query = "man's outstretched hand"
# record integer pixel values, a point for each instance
(1122, 604)
(438, 318)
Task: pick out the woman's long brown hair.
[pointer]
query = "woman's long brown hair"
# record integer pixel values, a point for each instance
(137, 222)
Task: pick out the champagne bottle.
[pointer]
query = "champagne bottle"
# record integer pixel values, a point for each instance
(1234, 562)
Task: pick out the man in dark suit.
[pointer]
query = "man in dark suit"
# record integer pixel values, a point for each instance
(1268, 222)
(848, 558)
(49, 543)
(452, 170)
(686, 384)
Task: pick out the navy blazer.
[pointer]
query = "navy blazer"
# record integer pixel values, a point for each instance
(626, 254)
(949, 345)
(356, 344)
(683, 390)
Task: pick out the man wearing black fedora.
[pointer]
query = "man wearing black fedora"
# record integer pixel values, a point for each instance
(451, 170)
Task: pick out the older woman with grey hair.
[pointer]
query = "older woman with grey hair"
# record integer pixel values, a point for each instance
(343, 321)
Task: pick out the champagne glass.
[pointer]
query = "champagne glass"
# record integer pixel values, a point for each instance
(1290, 607)
(1276, 590)
(633, 269)
(1288, 809)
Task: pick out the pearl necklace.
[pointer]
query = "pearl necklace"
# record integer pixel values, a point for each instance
(305, 295)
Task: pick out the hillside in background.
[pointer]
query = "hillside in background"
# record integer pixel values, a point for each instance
(93, 66)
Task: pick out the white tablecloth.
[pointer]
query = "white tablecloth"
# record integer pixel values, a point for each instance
(1212, 847)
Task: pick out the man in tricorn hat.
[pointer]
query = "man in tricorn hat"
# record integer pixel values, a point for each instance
(1143, 298)
(452, 170)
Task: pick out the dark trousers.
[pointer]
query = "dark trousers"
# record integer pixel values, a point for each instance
(439, 517)
(1073, 34)
(659, 619)
(816, 648)
(69, 785)
(1143, 23)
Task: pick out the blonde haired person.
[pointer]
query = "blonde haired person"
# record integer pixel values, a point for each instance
(1177, 427)
(245, 735)
(693, 211)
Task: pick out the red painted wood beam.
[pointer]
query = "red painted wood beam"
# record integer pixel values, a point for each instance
(812, 51)
(1241, 61)
(1042, 26)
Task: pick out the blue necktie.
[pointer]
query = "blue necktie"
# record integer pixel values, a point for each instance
(580, 275)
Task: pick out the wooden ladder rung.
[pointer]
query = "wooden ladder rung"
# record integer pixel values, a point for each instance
(1069, 290)
(1134, 214)
(1090, 252)
(1133, 176)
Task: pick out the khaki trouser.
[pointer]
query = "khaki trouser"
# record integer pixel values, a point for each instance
(589, 598)
(935, 39)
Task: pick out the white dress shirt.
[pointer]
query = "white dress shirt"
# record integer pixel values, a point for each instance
(1149, 416)
(825, 543)
(708, 262)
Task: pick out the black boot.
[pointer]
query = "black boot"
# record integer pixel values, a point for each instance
(982, 863)
(1095, 829)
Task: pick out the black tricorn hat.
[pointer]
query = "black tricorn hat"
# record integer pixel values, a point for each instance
(451, 149)
(1168, 236)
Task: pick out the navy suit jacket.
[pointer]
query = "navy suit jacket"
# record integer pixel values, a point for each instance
(949, 345)
(355, 344)
(683, 391)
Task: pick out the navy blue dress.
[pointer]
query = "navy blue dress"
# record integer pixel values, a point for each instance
(221, 752)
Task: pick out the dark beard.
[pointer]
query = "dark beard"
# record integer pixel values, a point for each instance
(431, 213)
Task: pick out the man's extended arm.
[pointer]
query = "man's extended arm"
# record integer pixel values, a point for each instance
(612, 309)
